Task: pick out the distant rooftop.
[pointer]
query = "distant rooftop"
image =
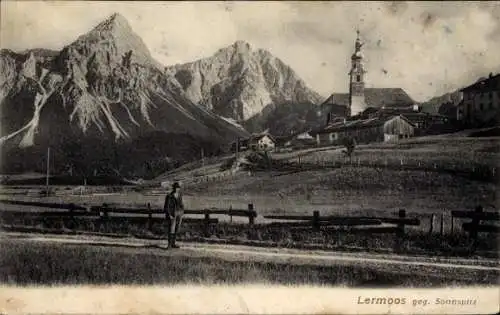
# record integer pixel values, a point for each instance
(361, 123)
(375, 97)
(492, 83)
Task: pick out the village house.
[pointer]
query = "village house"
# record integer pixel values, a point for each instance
(425, 123)
(389, 129)
(297, 140)
(480, 104)
(262, 142)
(256, 142)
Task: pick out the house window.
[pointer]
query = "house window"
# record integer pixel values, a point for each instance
(358, 78)
(480, 106)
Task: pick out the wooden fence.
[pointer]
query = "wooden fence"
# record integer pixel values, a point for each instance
(473, 171)
(475, 226)
(105, 214)
(361, 223)
(102, 215)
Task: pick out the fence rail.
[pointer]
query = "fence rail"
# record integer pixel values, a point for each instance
(104, 214)
(474, 227)
(406, 221)
(103, 211)
(65, 206)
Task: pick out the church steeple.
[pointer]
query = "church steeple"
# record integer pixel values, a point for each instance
(357, 84)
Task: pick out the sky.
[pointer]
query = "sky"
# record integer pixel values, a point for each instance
(426, 48)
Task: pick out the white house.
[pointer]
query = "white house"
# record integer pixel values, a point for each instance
(305, 136)
(263, 142)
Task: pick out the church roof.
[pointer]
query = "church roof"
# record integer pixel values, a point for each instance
(376, 97)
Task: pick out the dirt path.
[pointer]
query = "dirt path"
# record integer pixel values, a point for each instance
(289, 256)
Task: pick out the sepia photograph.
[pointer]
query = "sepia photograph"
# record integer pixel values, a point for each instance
(249, 157)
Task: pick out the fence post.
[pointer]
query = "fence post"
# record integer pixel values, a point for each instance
(315, 221)
(400, 232)
(104, 214)
(72, 221)
(150, 217)
(431, 228)
(442, 224)
(474, 224)
(230, 214)
(206, 225)
(71, 210)
(251, 214)
(452, 223)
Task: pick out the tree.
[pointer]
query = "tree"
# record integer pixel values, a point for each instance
(350, 144)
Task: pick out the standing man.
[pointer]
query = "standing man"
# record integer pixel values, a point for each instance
(174, 210)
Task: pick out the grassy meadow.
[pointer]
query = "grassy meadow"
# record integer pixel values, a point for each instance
(349, 189)
(30, 263)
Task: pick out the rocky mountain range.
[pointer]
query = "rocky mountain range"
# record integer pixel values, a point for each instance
(438, 104)
(245, 84)
(100, 95)
(104, 105)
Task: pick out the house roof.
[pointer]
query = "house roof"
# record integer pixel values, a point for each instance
(260, 136)
(362, 123)
(331, 106)
(492, 83)
(375, 97)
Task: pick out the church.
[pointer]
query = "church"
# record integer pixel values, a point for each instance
(367, 114)
(359, 99)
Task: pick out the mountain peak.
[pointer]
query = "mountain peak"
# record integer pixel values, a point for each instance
(239, 81)
(115, 36)
(115, 22)
(242, 45)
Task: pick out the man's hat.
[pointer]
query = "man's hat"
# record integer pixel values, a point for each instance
(176, 185)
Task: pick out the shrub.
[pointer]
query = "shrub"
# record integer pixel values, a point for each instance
(227, 164)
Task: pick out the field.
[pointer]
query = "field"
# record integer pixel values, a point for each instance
(375, 183)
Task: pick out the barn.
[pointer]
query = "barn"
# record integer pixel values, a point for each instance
(375, 129)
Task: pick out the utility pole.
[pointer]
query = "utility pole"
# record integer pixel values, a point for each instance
(48, 172)
(237, 147)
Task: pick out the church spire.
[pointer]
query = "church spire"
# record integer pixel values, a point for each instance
(357, 84)
(357, 46)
